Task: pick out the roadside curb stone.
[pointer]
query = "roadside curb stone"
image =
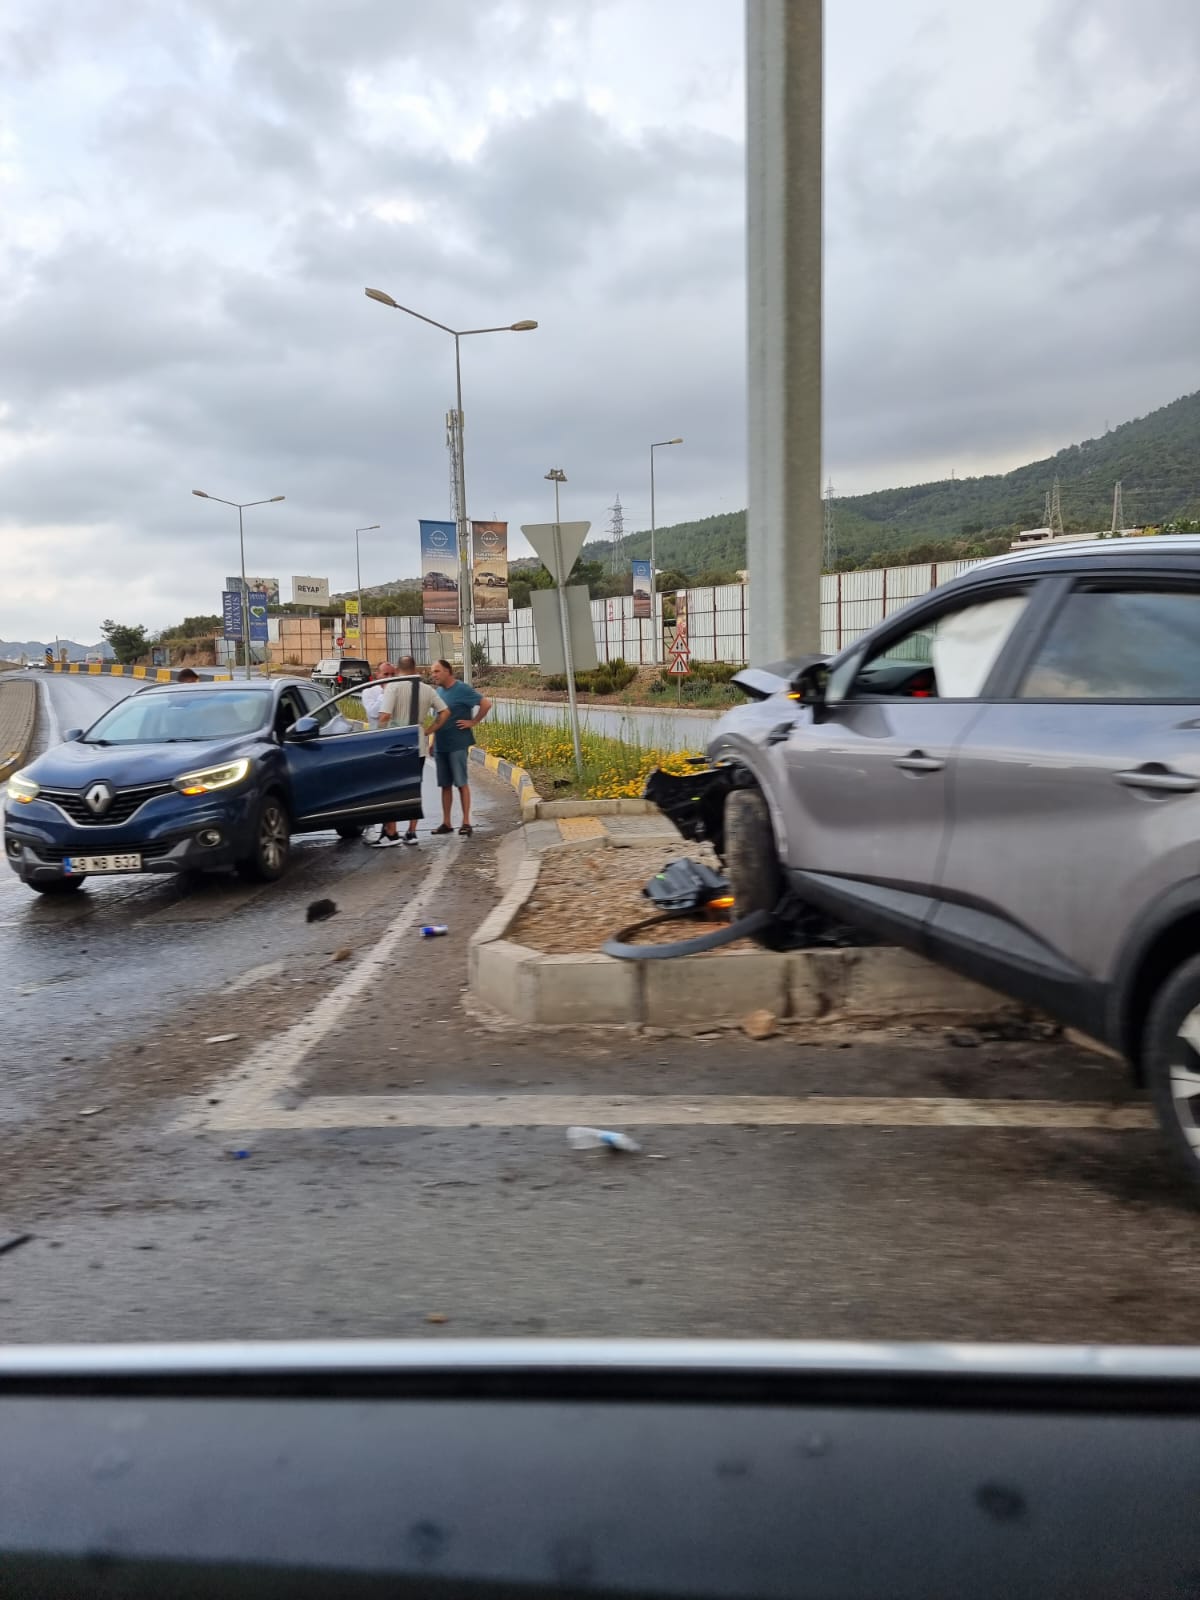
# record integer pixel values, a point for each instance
(18, 718)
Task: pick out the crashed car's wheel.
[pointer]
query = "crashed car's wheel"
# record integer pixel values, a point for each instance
(58, 885)
(272, 843)
(751, 863)
(1171, 1061)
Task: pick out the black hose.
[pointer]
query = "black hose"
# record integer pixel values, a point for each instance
(621, 947)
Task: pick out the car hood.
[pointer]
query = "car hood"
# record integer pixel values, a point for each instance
(71, 766)
(758, 683)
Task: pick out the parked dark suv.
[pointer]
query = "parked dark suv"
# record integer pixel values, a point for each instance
(1005, 776)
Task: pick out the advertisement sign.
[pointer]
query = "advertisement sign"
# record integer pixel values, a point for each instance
(231, 613)
(352, 632)
(489, 575)
(439, 573)
(257, 601)
(310, 591)
(265, 586)
(680, 642)
(642, 606)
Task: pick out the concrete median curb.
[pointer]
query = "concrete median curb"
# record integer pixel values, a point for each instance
(876, 984)
(535, 809)
(114, 669)
(18, 719)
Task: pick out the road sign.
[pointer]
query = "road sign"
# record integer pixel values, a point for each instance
(541, 537)
(340, 642)
(547, 624)
(679, 667)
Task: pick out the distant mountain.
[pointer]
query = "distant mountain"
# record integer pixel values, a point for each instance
(1156, 458)
(35, 649)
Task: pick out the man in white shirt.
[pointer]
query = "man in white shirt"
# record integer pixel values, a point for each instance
(409, 700)
(372, 695)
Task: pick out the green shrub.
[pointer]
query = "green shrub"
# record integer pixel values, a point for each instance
(555, 680)
(600, 683)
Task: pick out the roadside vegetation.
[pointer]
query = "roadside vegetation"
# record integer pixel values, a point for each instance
(613, 769)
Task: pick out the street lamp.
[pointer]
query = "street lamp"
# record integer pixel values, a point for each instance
(362, 632)
(466, 598)
(556, 475)
(661, 445)
(240, 506)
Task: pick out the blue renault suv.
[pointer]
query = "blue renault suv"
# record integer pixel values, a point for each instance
(200, 777)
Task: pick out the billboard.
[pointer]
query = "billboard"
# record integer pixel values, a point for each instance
(310, 591)
(642, 606)
(439, 573)
(257, 601)
(489, 571)
(267, 586)
(231, 613)
(351, 632)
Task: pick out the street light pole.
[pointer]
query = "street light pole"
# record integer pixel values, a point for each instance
(466, 598)
(556, 475)
(241, 506)
(362, 640)
(661, 445)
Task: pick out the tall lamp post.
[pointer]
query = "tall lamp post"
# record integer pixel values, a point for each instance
(661, 445)
(240, 506)
(556, 475)
(362, 631)
(466, 599)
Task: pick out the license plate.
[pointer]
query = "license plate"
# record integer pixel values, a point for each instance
(73, 866)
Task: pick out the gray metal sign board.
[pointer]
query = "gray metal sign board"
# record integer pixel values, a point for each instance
(541, 537)
(548, 629)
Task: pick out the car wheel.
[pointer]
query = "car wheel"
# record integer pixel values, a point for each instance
(58, 885)
(349, 830)
(1171, 1061)
(751, 863)
(272, 843)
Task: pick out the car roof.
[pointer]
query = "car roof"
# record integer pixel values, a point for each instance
(1172, 549)
(259, 686)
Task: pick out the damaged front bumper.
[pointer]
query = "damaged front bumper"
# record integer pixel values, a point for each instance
(694, 801)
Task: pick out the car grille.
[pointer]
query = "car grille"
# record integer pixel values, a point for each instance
(148, 852)
(125, 803)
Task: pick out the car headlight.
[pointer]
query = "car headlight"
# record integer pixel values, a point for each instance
(209, 778)
(22, 789)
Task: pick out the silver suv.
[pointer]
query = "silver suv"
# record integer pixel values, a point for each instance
(1005, 777)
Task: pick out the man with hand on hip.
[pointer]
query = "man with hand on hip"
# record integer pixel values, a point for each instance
(454, 738)
(409, 701)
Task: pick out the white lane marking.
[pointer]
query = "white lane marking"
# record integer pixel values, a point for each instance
(250, 1094)
(250, 1110)
(51, 713)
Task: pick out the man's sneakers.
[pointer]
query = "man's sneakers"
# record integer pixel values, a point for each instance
(385, 841)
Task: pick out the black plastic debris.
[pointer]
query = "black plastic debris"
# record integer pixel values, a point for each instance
(686, 885)
(321, 910)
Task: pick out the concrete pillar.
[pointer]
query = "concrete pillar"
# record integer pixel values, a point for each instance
(783, 170)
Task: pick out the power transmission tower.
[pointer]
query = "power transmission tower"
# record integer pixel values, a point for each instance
(453, 446)
(1046, 511)
(829, 549)
(1055, 522)
(616, 532)
(1118, 518)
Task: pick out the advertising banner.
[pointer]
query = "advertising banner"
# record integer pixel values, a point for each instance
(231, 613)
(680, 642)
(489, 576)
(642, 606)
(265, 586)
(257, 601)
(439, 573)
(310, 591)
(353, 632)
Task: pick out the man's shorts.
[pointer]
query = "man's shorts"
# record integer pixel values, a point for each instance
(451, 768)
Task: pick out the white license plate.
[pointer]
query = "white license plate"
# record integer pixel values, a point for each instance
(74, 865)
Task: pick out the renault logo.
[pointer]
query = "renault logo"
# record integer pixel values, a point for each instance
(98, 798)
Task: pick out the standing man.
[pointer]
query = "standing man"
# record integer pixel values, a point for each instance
(372, 695)
(467, 709)
(408, 700)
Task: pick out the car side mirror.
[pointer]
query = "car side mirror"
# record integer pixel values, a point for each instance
(808, 687)
(72, 734)
(302, 730)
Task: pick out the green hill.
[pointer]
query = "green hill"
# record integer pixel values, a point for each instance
(1156, 458)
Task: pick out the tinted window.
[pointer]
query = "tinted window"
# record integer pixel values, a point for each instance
(1120, 645)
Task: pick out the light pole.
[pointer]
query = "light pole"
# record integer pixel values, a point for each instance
(362, 632)
(556, 475)
(240, 506)
(661, 445)
(466, 598)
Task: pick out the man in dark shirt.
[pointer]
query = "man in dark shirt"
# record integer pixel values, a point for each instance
(467, 708)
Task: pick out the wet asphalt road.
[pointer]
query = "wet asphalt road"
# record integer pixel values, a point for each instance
(167, 1195)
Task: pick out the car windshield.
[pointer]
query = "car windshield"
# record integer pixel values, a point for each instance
(182, 716)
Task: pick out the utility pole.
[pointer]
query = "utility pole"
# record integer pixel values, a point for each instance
(616, 532)
(784, 525)
(1056, 521)
(829, 553)
(1118, 516)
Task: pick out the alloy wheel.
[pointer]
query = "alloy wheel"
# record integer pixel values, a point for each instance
(1185, 1078)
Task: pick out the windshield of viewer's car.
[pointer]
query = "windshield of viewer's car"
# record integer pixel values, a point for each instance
(182, 717)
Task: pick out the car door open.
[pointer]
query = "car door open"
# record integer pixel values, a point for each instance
(342, 771)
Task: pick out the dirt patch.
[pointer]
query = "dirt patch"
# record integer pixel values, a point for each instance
(583, 897)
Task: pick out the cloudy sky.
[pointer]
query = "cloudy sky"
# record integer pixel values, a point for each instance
(194, 193)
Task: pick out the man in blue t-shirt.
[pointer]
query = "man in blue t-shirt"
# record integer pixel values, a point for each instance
(467, 708)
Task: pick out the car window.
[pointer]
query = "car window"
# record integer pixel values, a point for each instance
(185, 715)
(344, 714)
(314, 698)
(1107, 644)
(947, 657)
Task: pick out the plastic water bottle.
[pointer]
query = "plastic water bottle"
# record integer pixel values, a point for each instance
(434, 930)
(601, 1139)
